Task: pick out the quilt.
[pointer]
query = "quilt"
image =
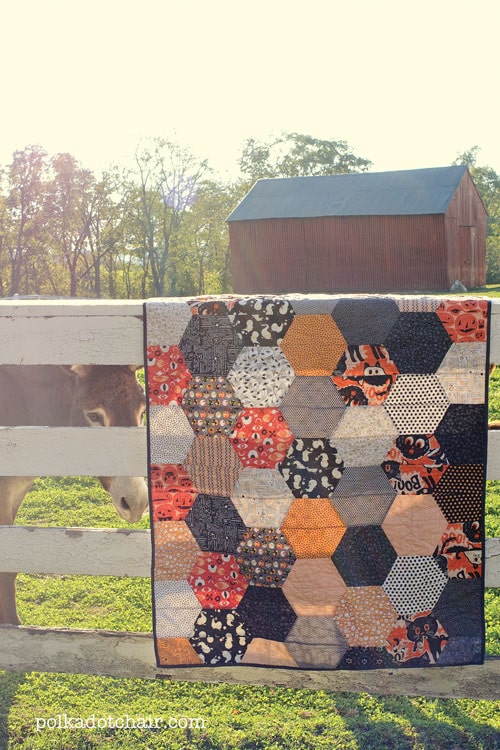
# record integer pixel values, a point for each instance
(317, 479)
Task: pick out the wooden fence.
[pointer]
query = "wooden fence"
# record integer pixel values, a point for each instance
(111, 332)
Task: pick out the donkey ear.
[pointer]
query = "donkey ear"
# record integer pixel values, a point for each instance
(79, 370)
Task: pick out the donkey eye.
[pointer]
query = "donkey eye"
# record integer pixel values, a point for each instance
(95, 417)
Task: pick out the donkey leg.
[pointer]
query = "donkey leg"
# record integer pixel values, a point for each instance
(12, 492)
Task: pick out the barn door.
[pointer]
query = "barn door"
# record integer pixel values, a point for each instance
(468, 260)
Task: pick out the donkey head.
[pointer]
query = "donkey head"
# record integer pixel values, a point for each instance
(110, 396)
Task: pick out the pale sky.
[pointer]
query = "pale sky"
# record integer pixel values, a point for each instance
(407, 85)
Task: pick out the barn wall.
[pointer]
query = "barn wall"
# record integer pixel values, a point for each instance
(465, 228)
(363, 253)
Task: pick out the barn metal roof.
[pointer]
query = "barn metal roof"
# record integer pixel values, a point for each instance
(407, 192)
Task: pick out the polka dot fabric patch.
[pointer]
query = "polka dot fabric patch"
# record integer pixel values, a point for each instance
(316, 469)
(417, 342)
(459, 493)
(265, 556)
(210, 405)
(313, 344)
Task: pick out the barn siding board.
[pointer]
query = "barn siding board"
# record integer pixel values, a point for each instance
(362, 253)
(469, 212)
(466, 209)
(373, 253)
(453, 264)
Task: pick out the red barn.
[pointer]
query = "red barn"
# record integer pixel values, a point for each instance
(411, 230)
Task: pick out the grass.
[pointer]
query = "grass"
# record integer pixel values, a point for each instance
(239, 718)
(235, 717)
(491, 290)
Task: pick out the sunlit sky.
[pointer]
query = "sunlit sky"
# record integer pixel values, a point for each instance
(407, 85)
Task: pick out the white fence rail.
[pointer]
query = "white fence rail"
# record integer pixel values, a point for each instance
(71, 332)
(111, 332)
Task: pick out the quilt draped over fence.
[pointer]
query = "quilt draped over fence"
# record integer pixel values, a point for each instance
(317, 475)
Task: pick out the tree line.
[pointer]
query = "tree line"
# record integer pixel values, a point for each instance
(159, 227)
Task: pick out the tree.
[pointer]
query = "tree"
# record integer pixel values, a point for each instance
(4, 239)
(22, 235)
(163, 192)
(205, 264)
(68, 208)
(487, 182)
(295, 155)
(106, 240)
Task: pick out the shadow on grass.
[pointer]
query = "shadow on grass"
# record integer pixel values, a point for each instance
(372, 732)
(9, 683)
(442, 726)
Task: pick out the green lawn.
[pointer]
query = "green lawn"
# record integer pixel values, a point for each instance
(491, 290)
(239, 718)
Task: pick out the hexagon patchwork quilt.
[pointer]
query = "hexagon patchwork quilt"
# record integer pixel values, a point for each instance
(317, 480)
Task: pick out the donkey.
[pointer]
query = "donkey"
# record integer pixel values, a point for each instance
(63, 396)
